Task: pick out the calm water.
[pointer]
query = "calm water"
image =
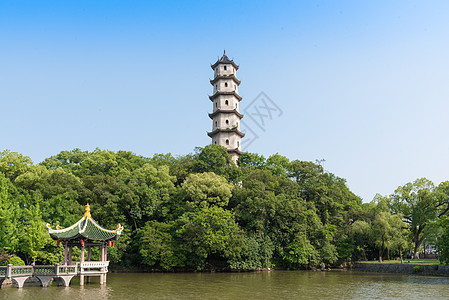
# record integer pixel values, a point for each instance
(264, 285)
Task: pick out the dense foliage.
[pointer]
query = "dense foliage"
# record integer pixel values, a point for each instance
(201, 212)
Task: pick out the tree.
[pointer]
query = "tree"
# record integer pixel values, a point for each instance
(251, 160)
(215, 158)
(387, 232)
(361, 233)
(10, 216)
(207, 189)
(443, 242)
(278, 164)
(13, 164)
(211, 233)
(156, 246)
(417, 203)
(35, 236)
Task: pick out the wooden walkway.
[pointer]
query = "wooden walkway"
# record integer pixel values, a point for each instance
(62, 274)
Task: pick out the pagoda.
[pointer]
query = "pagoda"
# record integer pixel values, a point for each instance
(225, 115)
(86, 233)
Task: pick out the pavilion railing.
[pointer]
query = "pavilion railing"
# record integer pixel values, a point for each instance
(21, 271)
(44, 270)
(89, 267)
(94, 267)
(66, 269)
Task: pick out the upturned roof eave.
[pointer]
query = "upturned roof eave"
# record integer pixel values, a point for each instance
(219, 62)
(235, 130)
(82, 233)
(233, 93)
(212, 115)
(213, 81)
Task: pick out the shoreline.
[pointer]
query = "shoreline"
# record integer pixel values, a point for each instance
(415, 269)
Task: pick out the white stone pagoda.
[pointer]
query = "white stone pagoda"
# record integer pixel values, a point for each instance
(226, 116)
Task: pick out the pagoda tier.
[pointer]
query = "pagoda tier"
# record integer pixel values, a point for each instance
(226, 111)
(232, 93)
(218, 130)
(85, 229)
(231, 76)
(224, 60)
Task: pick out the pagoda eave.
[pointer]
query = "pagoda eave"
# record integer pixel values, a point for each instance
(224, 63)
(233, 93)
(226, 111)
(229, 130)
(235, 150)
(213, 81)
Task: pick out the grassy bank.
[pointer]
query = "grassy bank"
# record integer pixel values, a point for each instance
(411, 262)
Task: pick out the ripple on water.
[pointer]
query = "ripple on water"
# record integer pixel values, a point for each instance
(261, 285)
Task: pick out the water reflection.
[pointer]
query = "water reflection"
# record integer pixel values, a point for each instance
(262, 285)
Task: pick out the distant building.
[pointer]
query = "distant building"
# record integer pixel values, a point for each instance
(226, 116)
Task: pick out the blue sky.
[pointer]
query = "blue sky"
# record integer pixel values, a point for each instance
(363, 85)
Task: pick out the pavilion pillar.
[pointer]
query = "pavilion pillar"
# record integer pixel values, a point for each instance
(89, 252)
(88, 259)
(65, 253)
(81, 261)
(102, 259)
(105, 259)
(70, 255)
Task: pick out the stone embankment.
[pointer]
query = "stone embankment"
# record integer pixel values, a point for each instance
(430, 270)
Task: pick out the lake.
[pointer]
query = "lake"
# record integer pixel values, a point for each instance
(260, 285)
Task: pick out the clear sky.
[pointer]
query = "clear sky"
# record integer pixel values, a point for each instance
(361, 84)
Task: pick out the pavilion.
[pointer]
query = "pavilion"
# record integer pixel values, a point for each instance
(86, 233)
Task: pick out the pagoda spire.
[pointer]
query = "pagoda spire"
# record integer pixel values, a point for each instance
(225, 98)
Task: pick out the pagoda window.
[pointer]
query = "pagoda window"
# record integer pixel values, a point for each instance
(216, 104)
(238, 144)
(227, 142)
(227, 102)
(215, 142)
(226, 84)
(225, 68)
(216, 124)
(227, 122)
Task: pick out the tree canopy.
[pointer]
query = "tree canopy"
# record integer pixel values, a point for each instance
(200, 211)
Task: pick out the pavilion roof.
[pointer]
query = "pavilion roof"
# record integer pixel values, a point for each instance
(85, 229)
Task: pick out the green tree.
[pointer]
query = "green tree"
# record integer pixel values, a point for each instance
(10, 216)
(387, 232)
(209, 235)
(443, 242)
(361, 233)
(417, 203)
(35, 236)
(258, 254)
(278, 164)
(251, 160)
(13, 164)
(157, 246)
(215, 158)
(207, 189)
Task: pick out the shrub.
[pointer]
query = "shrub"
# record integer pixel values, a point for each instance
(417, 269)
